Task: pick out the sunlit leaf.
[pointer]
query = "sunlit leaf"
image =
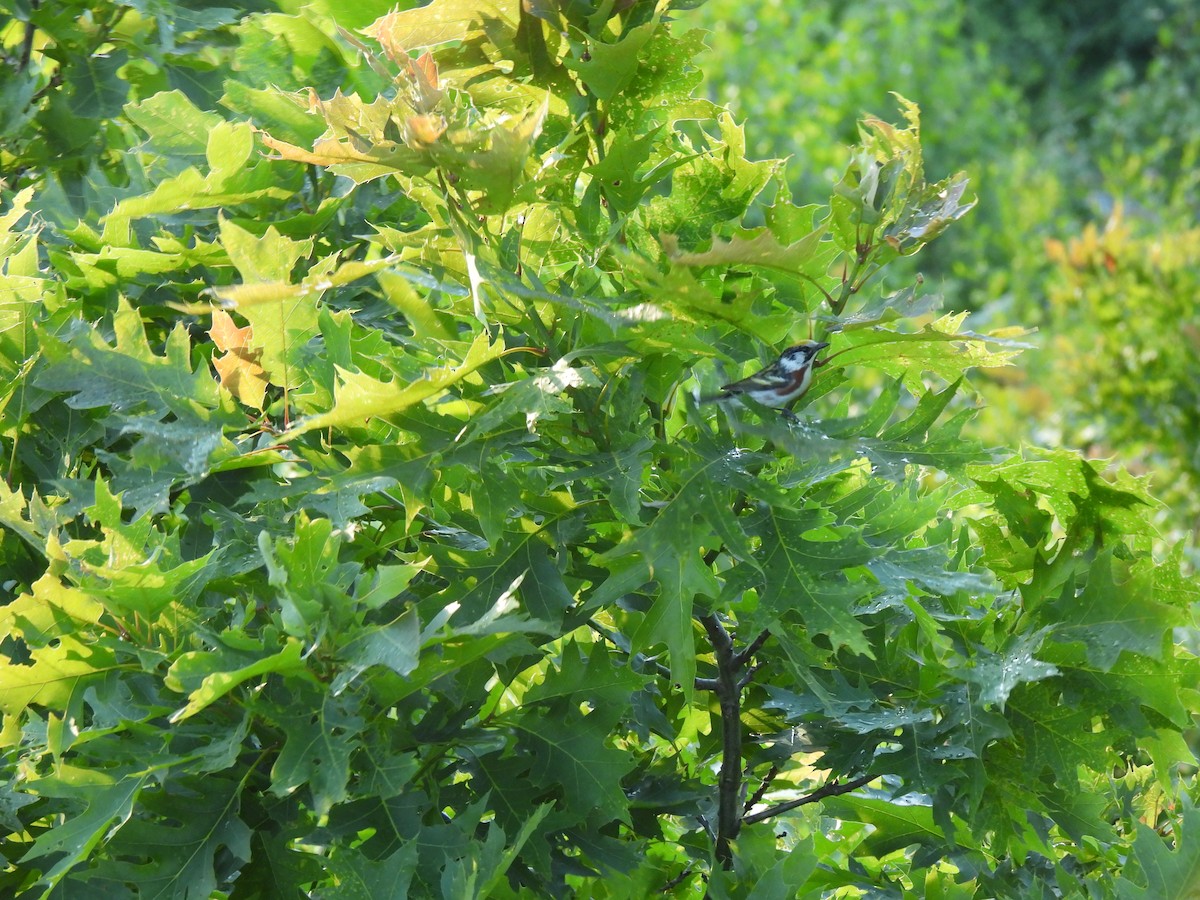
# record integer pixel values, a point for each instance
(360, 397)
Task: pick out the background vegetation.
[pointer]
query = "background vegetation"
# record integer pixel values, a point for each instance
(1080, 136)
(364, 534)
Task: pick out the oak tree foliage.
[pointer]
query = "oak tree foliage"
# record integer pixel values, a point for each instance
(365, 532)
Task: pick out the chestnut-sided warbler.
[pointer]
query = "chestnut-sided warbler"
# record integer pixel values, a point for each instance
(782, 381)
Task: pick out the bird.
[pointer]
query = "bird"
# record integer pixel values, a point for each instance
(783, 381)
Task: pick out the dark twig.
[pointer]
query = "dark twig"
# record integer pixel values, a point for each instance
(26, 47)
(747, 678)
(762, 789)
(27, 43)
(831, 789)
(743, 656)
(700, 684)
(676, 881)
(729, 783)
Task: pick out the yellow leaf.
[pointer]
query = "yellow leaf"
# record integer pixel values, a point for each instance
(360, 397)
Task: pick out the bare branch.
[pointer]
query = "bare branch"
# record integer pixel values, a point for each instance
(832, 789)
(720, 638)
(762, 789)
(27, 42)
(729, 783)
(676, 881)
(744, 656)
(748, 677)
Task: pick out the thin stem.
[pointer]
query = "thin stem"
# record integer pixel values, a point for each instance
(700, 684)
(825, 360)
(763, 787)
(748, 677)
(828, 296)
(679, 879)
(27, 43)
(850, 283)
(832, 789)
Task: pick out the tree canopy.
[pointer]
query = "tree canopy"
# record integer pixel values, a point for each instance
(368, 532)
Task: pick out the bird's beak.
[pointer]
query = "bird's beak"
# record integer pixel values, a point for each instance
(820, 345)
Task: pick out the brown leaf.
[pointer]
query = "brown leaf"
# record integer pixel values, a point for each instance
(226, 335)
(424, 73)
(424, 130)
(243, 377)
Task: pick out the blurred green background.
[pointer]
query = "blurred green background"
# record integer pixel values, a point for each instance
(1079, 127)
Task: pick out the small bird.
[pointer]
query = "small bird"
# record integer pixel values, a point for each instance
(783, 381)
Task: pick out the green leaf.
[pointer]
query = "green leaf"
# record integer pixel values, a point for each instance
(781, 880)
(192, 852)
(998, 674)
(668, 551)
(1073, 489)
(395, 646)
(359, 397)
(895, 825)
(757, 248)
(805, 577)
(586, 673)
(276, 869)
(1116, 611)
(175, 125)
(1057, 736)
(230, 180)
(571, 754)
(440, 22)
(518, 565)
(217, 677)
(499, 860)
(905, 303)
(609, 67)
(128, 377)
(12, 509)
(716, 186)
(107, 800)
(311, 583)
(1168, 874)
(361, 878)
(669, 620)
(539, 397)
(318, 744)
(941, 347)
(620, 174)
(52, 674)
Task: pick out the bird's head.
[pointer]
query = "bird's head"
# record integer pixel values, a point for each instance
(793, 359)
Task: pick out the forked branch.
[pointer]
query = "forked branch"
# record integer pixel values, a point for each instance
(728, 687)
